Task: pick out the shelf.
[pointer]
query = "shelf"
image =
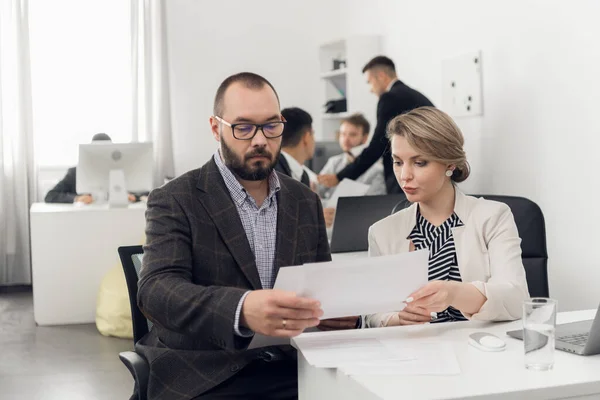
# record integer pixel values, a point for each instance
(336, 115)
(336, 73)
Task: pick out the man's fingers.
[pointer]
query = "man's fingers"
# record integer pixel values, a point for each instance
(290, 300)
(295, 324)
(295, 313)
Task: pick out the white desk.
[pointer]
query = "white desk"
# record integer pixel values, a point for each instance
(72, 248)
(483, 375)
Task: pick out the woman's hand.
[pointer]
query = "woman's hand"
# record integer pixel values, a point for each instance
(410, 316)
(435, 296)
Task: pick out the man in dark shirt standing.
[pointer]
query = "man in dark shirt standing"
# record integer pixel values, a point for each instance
(394, 98)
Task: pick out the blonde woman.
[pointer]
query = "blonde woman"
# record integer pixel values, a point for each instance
(475, 266)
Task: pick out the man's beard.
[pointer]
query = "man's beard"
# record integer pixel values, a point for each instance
(254, 172)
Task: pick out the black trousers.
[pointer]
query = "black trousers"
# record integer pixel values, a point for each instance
(260, 380)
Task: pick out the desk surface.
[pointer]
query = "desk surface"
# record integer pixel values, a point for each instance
(483, 375)
(61, 208)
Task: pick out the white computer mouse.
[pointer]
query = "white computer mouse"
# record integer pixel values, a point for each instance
(486, 342)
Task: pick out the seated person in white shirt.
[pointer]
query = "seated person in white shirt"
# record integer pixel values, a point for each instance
(475, 266)
(297, 145)
(353, 136)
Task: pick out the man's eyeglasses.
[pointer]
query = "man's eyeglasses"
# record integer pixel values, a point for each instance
(246, 131)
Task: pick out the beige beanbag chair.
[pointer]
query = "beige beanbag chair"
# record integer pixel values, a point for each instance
(113, 312)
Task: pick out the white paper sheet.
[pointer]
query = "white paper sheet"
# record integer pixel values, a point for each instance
(428, 358)
(323, 352)
(358, 287)
(347, 188)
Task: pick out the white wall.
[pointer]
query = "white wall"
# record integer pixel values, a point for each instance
(540, 133)
(541, 73)
(210, 40)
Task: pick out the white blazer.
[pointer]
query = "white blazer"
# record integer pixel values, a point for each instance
(488, 249)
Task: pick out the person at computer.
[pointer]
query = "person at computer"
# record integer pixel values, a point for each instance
(65, 191)
(352, 136)
(395, 98)
(215, 240)
(475, 266)
(297, 145)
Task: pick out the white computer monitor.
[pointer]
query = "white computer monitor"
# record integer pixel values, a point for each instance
(112, 170)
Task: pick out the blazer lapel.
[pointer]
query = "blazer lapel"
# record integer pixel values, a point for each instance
(287, 228)
(215, 197)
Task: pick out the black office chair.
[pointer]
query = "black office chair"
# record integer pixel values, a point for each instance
(401, 205)
(532, 230)
(131, 259)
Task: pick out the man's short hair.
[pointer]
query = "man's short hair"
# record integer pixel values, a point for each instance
(358, 120)
(298, 123)
(250, 80)
(382, 62)
(100, 137)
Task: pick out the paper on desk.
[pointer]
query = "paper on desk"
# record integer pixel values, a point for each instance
(330, 351)
(347, 188)
(428, 358)
(358, 287)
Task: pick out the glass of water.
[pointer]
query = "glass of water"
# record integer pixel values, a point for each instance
(539, 324)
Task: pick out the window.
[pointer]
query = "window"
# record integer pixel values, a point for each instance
(81, 75)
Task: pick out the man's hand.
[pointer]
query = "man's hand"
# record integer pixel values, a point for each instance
(329, 214)
(84, 198)
(335, 324)
(328, 180)
(131, 198)
(279, 313)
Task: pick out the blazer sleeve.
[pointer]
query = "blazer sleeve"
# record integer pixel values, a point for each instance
(166, 294)
(506, 289)
(65, 190)
(387, 108)
(323, 250)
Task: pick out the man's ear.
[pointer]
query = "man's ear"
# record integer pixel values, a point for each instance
(364, 139)
(306, 137)
(215, 128)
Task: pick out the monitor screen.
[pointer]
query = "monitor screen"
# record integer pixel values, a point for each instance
(96, 160)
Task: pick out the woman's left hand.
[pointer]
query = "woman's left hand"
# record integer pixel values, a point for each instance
(435, 296)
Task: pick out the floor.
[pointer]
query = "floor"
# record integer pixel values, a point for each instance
(70, 362)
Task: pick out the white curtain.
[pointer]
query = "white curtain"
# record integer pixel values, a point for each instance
(17, 188)
(150, 83)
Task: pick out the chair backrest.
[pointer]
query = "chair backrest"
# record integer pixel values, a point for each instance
(401, 205)
(131, 259)
(532, 230)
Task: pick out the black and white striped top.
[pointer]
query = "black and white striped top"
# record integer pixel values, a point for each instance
(443, 263)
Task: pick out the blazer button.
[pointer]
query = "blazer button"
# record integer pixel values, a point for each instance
(235, 368)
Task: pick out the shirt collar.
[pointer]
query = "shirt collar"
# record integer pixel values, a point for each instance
(237, 191)
(295, 167)
(392, 83)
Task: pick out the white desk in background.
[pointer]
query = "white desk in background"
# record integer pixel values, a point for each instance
(484, 375)
(72, 248)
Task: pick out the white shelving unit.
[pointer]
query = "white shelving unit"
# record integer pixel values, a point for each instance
(347, 81)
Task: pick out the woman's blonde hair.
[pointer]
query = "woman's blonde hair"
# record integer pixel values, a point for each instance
(434, 135)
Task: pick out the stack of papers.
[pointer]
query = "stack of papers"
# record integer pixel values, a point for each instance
(358, 287)
(355, 354)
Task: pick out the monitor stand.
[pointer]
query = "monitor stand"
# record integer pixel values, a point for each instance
(117, 193)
